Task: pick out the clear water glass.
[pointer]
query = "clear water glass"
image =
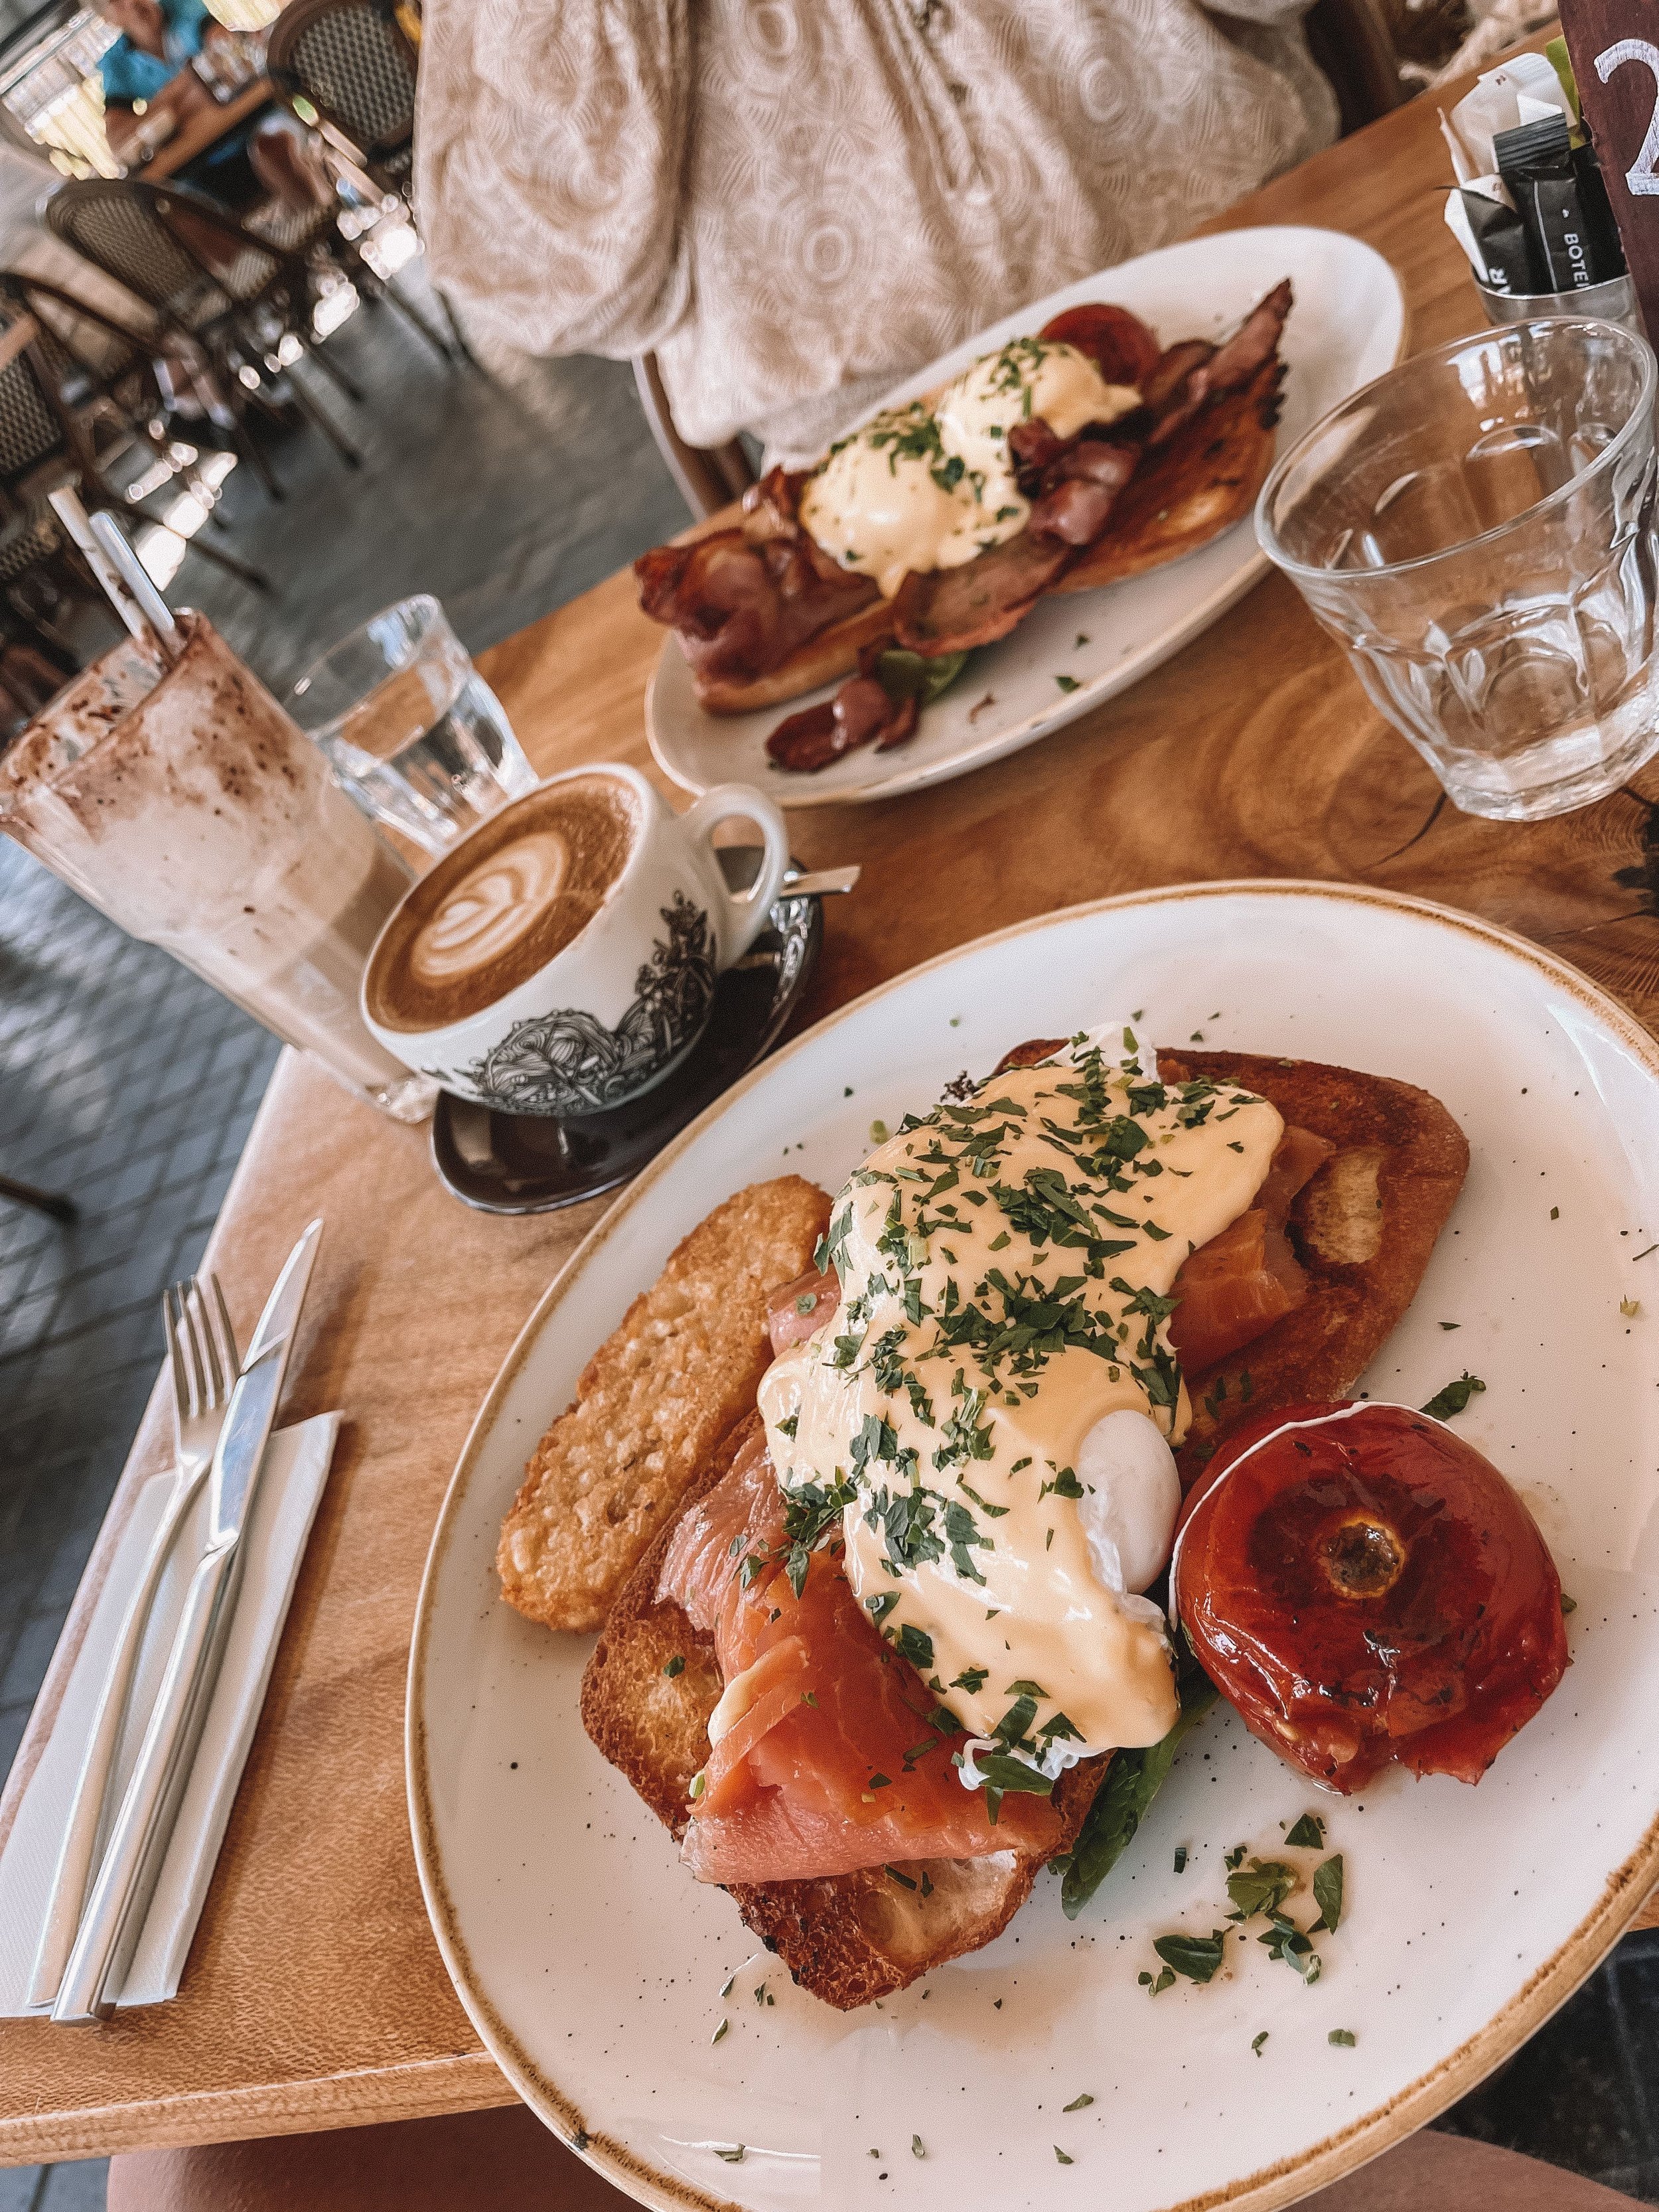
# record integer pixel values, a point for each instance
(410, 728)
(1476, 529)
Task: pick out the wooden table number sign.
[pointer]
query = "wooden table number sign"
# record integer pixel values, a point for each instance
(1614, 49)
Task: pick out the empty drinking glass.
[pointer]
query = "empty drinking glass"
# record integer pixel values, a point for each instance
(410, 727)
(1477, 528)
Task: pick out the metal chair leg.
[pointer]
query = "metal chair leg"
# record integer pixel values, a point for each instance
(247, 450)
(412, 315)
(57, 1204)
(458, 334)
(255, 578)
(383, 287)
(331, 369)
(315, 415)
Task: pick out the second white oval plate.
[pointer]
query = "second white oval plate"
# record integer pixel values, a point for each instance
(595, 1968)
(1348, 325)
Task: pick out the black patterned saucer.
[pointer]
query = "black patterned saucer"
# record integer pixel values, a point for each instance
(535, 1164)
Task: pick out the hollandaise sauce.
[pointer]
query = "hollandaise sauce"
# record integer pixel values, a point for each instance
(1006, 1264)
(931, 485)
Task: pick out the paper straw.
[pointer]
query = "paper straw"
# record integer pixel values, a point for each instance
(136, 578)
(113, 572)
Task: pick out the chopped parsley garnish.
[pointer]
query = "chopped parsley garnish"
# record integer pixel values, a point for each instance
(1197, 1957)
(1327, 1895)
(1343, 2038)
(1262, 1887)
(1256, 2042)
(674, 1665)
(1285, 1940)
(1307, 1834)
(1456, 1395)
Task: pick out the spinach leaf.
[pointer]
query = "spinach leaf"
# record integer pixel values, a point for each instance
(905, 675)
(1133, 1780)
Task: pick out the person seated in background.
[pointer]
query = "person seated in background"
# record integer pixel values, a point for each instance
(150, 92)
(793, 205)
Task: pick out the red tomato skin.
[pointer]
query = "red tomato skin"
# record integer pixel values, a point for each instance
(1118, 342)
(1430, 1642)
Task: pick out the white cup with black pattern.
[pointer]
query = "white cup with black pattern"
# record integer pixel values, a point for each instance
(611, 1010)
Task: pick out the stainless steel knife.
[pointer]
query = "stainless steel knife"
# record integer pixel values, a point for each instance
(125, 1881)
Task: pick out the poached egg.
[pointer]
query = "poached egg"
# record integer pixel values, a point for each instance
(994, 1401)
(931, 484)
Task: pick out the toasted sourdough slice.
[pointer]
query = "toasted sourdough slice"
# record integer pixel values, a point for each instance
(851, 1937)
(1189, 491)
(651, 1404)
(825, 658)
(1363, 1228)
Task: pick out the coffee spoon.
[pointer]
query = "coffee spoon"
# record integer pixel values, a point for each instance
(819, 882)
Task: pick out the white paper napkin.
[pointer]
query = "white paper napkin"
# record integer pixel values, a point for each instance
(290, 1488)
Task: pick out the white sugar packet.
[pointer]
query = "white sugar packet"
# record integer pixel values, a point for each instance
(285, 1504)
(1524, 89)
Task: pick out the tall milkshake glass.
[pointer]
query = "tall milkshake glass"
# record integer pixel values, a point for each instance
(185, 804)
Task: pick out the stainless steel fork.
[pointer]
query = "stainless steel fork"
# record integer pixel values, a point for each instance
(201, 1353)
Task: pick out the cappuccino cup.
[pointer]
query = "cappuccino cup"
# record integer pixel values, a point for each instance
(563, 957)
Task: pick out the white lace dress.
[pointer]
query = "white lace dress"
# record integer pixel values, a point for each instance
(794, 202)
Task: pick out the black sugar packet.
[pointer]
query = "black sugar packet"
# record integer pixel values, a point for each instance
(1562, 203)
(1500, 238)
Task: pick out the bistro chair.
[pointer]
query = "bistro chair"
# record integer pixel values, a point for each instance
(45, 444)
(709, 477)
(107, 374)
(350, 59)
(352, 63)
(1350, 41)
(237, 296)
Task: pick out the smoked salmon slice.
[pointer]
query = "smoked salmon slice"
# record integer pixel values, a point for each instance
(1238, 1285)
(795, 1310)
(833, 1753)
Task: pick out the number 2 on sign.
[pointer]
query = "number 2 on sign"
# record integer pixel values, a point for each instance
(1640, 176)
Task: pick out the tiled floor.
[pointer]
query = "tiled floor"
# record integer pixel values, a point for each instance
(127, 1082)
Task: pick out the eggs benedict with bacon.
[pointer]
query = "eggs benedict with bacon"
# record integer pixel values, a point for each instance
(939, 524)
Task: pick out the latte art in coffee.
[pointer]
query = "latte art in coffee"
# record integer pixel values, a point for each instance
(505, 904)
(491, 908)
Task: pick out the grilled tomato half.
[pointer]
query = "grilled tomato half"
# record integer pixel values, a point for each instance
(1363, 1586)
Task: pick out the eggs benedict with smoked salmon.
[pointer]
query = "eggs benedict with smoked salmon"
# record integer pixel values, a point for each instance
(875, 1665)
(970, 1452)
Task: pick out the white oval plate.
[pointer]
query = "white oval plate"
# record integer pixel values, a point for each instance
(1348, 325)
(592, 1966)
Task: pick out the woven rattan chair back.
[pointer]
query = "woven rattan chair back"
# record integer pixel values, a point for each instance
(31, 428)
(79, 343)
(350, 58)
(119, 228)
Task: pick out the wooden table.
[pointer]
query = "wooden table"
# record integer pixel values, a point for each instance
(204, 129)
(314, 1996)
